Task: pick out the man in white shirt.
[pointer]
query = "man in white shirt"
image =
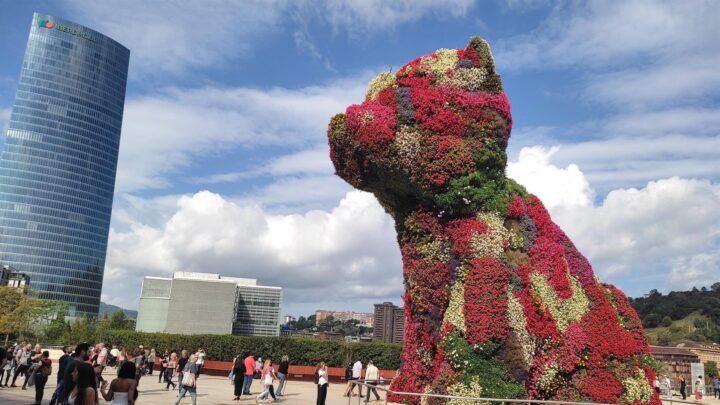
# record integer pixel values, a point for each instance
(372, 375)
(357, 373)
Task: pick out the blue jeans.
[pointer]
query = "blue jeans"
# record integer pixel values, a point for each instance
(190, 390)
(246, 384)
(281, 386)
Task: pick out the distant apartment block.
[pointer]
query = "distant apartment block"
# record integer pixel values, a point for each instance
(365, 318)
(389, 323)
(198, 303)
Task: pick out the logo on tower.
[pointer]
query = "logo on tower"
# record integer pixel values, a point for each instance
(45, 23)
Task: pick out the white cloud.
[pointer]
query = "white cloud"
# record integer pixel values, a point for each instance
(631, 53)
(174, 37)
(336, 253)
(165, 132)
(362, 17)
(559, 187)
(669, 230)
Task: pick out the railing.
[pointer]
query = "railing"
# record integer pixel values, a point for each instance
(672, 400)
(375, 385)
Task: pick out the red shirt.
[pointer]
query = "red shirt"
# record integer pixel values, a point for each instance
(249, 365)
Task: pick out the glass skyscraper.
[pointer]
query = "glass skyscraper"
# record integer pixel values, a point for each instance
(57, 170)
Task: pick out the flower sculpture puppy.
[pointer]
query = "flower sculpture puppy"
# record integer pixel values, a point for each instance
(499, 303)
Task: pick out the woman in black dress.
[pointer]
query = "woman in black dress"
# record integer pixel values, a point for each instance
(239, 376)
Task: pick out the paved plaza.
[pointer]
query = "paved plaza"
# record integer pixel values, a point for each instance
(211, 390)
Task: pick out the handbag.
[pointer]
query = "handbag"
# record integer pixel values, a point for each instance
(31, 380)
(188, 379)
(268, 379)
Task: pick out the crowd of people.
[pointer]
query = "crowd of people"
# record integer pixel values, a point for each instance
(80, 374)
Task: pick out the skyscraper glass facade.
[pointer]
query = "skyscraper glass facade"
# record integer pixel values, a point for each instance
(57, 169)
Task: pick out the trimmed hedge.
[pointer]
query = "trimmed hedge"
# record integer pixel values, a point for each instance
(302, 351)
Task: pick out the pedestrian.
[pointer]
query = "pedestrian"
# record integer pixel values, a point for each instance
(372, 377)
(322, 381)
(267, 378)
(113, 358)
(282, 375)
(163, 365)
(656, 385)
(169, 370)
(80, 355)
(188, 384)
(84, 391)
(123, 389)
(699, 388)
(182, 361)
(357, 375)
(238, 374)
(683, 387)
(349, 378)
(63, 362)
(200, 362)
(23, 364)
(41, 375)
(668, 385)
(258, 368)
(249, 371)
(150, 361)
(100, 361)
(716, 387)
(5, 362)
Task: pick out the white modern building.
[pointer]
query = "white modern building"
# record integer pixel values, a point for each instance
(194, 303)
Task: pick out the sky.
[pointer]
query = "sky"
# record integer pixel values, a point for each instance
(224, 163)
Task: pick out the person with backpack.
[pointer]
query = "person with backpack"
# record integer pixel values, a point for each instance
(40, 376)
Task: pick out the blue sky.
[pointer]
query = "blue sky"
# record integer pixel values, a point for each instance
(223, 163)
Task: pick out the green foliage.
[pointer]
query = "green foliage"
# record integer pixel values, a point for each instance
(120, 321)
(226, 347)
(471, 361)
(82, 329)
(475, 192)
(711, 368)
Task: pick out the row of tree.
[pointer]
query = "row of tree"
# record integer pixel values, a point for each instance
(350, 327)
(25, 317)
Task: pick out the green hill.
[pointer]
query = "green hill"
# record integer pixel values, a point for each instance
(681, 315)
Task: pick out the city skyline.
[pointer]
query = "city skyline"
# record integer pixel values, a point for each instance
(58, 164)
(223, 163)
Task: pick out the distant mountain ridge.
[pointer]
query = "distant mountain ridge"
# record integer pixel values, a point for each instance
(110, 309)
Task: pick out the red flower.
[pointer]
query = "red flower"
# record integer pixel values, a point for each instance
(486, 301)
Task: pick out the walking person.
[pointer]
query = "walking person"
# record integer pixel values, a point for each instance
(238, 373)
(123, 389)
(357, 374)
(63, 362)
(182, 361)
(322, 381)
(699, 388)
(282, 375)
(267, 378)
(41, 374)
(84, 391)
(249, 371)
(349, 378)
(188, 384)
(169, 370)
(683, 387)
(200, 362)
(163, 365)
(23, 362)
(80, 355)
(150, 361)
(716, 387)
(372, 376)
(6, 361)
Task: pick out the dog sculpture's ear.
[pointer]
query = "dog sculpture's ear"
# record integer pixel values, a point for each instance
(478, 52)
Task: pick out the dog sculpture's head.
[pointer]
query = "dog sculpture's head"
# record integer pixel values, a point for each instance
(432, 134)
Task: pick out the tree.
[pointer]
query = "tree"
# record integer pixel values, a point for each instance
(118, 320)
(715, 287)
(15, 312)
(54, 331)
(666, 321)
(711, 369)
